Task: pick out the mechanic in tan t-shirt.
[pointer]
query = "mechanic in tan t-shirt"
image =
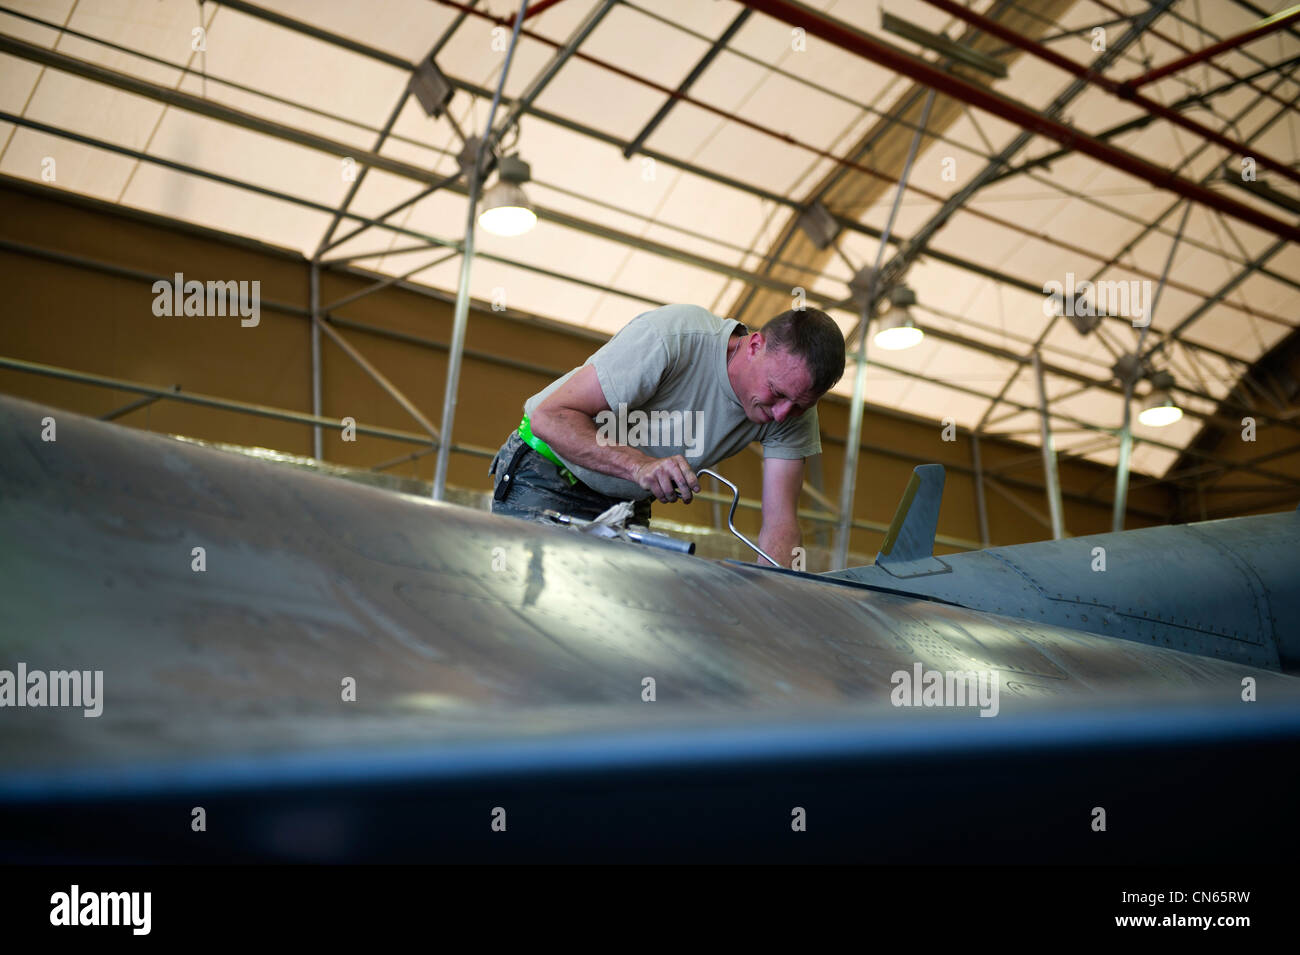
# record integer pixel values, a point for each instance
(677, 389)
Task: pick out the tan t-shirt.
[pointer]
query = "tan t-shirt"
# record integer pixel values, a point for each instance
(664, 376)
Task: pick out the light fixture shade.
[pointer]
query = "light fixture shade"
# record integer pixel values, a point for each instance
(1160, 410)
(897, 330)
(506, 210)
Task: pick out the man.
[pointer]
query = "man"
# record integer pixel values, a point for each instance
(676, 390)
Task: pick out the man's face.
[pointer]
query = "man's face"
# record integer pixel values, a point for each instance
(779, 385)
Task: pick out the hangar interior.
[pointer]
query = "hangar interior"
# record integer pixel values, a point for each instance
(268, 263)
(732, 156)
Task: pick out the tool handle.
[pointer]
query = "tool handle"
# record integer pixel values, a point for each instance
(735, 497)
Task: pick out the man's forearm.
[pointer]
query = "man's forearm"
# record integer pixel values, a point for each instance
(780, 540)
(573, 436)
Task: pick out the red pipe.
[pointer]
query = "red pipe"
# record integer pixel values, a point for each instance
(1174, 42)
(1276, 22)
(1124, 90)
(533, 10)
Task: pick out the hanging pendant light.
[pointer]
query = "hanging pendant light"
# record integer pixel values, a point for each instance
(505, 209)
(897, 329)
(1160, 409)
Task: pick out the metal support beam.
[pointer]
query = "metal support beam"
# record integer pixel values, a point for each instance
(1005, 494)
(849, 471)
(461, 316)
(136, 405)
(1174, 41)
(1221, 488)
(1050, 477)
(981, 511)
(1218, 296)
(382, 218)
(1273, 455)
(583, 130)
(849, 476)
(403, 459)
(919, 241)
(1122, 466)
(1209, 301)
(378, 253)
(1067, 34)
(899, 109)
(207, 174)
(387, 283)
(379, 142)
(1277, 21)
(1015, 432)
(1126, 432)
(521, 106)
(962, 467)
(492, 358)
(1285, 500)
(361, 177)
(225, 404)
(1257, 11)
(307, 29)
(377, 376)
(855, 41)
(687, 83)
(209, 108)
(1077, 451)
(491, 136)
(1100, 384)
(817, 480)
(317, 439)
(1122, 90)
(1133, 241)
(1141, 122)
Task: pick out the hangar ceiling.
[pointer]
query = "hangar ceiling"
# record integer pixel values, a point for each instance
(252, 135)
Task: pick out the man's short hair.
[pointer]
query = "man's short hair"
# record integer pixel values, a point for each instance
(812, 335)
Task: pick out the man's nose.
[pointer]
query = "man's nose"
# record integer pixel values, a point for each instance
(781, 410)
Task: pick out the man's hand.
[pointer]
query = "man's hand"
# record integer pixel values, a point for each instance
(668, 478)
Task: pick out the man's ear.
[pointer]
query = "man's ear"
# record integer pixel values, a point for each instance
(757, 342)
